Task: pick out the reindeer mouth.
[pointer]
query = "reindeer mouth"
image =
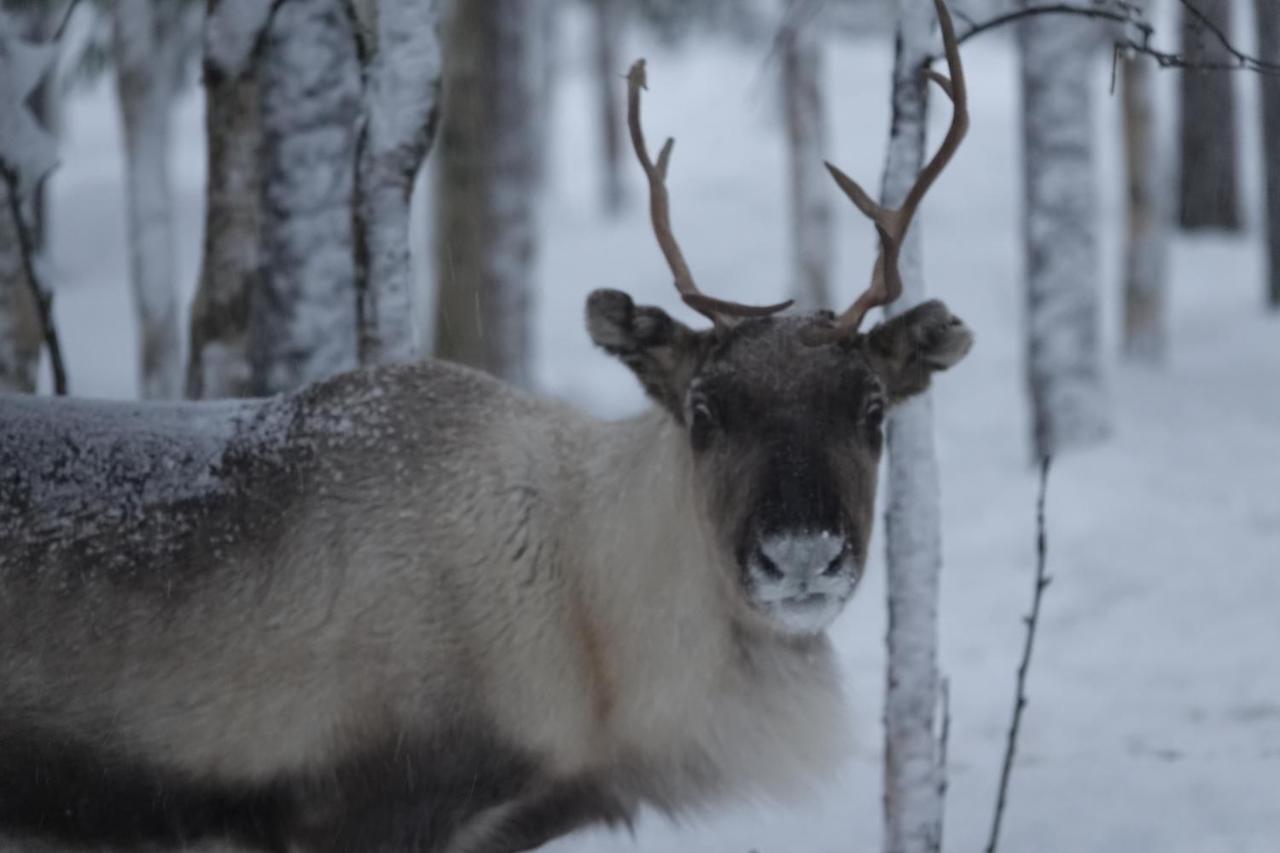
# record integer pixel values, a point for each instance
(808, 613)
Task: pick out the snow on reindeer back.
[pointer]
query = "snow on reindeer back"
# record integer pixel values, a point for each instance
(119, 487)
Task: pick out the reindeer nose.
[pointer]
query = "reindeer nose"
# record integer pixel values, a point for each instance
(804, 556)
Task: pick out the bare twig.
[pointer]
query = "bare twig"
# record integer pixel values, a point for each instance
(944, 736)
(1020, 692)
(43, 297)
(1130, 15)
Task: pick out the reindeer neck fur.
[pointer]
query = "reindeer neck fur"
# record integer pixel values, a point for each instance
(683, 674)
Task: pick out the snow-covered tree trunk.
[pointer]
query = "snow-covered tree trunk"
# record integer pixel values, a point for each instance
(302, 315)
(27, 155)
(806, 119)
(1146, 246)
(913, 801)
(146, 47)
(218, 364)
(19, 318)
(607, 25)
(487, 185)
(1064, 369)
(400, 42)
(1267, 13)
(1208, 186)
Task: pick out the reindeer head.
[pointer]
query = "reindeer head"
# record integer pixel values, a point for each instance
(784, 413)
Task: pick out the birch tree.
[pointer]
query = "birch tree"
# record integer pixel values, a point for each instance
(400, 41)
(1146, 245)
(302, 317)
(914, 781)
(487, 181)
(26, 158)
(147, 51)
(1267, 13)
(1064, 371)
(803, 98)
(218, 364)
(19, 319)
(1209, 179)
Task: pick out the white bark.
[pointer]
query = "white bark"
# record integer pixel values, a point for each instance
(1064, 368)
(487, 186)
(218, 364)
(1267, 13)
(806, 128)
(146, 47)
(302, 323)
(402, 70)
(913, 801)
(1146, 250)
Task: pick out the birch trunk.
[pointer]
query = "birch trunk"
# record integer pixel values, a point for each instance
(1267, 13)
(402, 68)
(607, 20)
(1209, 177)
(1145, 292)
(218, 365)
(913, 801)
(20, 336)
(1064, 369)
(486, 188)
(302, 317)
(806, 120)
(145, 52)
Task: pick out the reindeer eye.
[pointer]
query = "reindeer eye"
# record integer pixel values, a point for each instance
(702, 422)
(874, 413)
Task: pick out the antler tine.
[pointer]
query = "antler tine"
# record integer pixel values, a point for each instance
(710, 307)
(891, 224)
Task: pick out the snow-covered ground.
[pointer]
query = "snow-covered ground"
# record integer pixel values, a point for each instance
(1154, 721)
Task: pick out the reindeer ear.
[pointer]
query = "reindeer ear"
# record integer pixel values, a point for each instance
(663, 353)
(907, 350)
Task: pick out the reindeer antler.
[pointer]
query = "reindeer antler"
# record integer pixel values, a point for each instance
(710, 307)
(890, 224)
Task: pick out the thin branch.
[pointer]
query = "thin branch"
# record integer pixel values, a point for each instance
(1122, 12)
(1020, 691)
(43, 297)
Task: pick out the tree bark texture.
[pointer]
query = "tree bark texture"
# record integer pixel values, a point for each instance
(402, 70)
(1064, 370)
(218, 364)
(607, 24)
(20, 334)
(1209, 181)
(806, 128)
(1146, 306)
(302, 318)
(1267, 13)
(487, 183)
(146, 48)
(913, 801)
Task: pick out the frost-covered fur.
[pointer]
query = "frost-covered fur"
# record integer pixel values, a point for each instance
(241, 623)
(413, 608)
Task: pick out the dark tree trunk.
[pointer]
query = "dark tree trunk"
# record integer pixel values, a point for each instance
(1208, 189)
(487, 182)
(608, 70)
(1145, 300)
(806, 129)
(218, 365)
(1268, 17)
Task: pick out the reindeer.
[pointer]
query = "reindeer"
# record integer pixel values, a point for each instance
(413, 608)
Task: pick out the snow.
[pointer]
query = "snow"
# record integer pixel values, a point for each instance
(1154, 721)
